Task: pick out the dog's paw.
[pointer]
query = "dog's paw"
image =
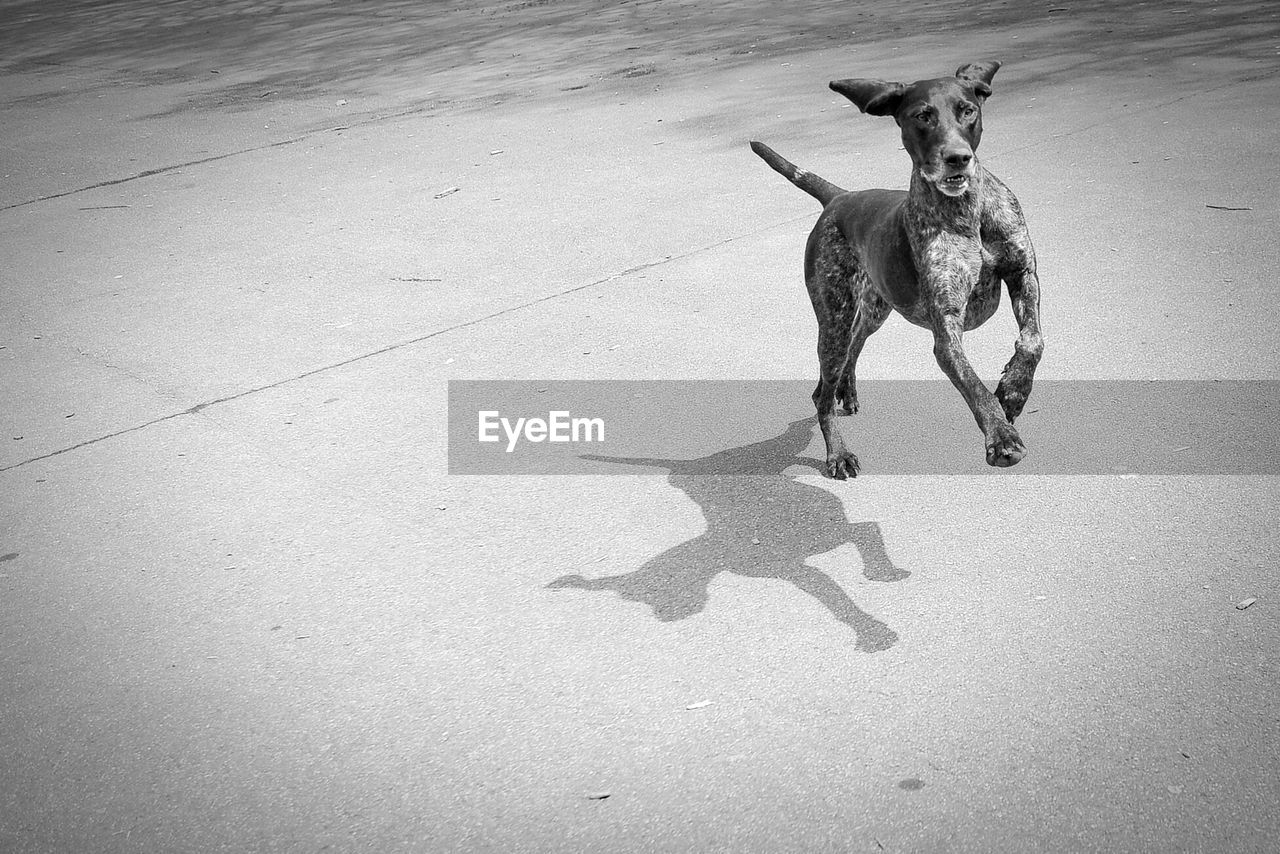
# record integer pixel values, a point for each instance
(1004, 447)
(842, 466)
(847, 407)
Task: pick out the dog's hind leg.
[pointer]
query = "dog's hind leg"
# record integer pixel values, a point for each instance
(833, 349)
(836, 282)
(872, 313)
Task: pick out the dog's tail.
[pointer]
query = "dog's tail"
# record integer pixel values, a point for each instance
(820, 188)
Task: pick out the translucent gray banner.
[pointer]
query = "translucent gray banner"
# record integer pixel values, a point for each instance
(1070, 427)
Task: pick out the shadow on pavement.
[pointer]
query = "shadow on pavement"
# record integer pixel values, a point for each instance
(758, 526)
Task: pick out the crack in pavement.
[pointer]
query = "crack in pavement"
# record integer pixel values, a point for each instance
(390, 348)
(161, 170)
(158, 171)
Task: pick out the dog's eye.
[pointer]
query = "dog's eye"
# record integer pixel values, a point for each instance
(968, 111)
(924, 116)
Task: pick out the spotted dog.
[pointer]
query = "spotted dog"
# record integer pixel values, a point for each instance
(935, 253)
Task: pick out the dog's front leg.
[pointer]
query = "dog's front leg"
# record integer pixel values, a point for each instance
(1004, 445)
(1015, 381)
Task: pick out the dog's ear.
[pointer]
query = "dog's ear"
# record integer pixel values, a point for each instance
(978, 75)
(874, 97)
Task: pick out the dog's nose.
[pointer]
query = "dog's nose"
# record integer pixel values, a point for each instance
(957, 158)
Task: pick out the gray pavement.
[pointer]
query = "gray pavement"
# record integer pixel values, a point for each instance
(244, 607)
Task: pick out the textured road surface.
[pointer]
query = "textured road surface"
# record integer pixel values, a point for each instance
(244, 607)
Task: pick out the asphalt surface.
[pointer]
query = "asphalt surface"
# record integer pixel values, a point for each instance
(245, 607)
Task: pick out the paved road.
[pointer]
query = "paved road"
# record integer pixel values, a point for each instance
(244, 606)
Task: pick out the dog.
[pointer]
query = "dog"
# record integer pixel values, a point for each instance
(935, 253)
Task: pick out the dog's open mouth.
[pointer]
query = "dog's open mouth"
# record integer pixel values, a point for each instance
(954, 184)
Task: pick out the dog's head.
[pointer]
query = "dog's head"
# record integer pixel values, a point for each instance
(941, 119)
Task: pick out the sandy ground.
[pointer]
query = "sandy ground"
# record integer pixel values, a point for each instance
(244, 606)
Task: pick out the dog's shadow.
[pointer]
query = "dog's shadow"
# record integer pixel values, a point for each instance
(761, 523)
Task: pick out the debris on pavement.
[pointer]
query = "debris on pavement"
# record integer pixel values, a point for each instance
(599, 796)
(701, 704)
(1240, 606)
(448, 192)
